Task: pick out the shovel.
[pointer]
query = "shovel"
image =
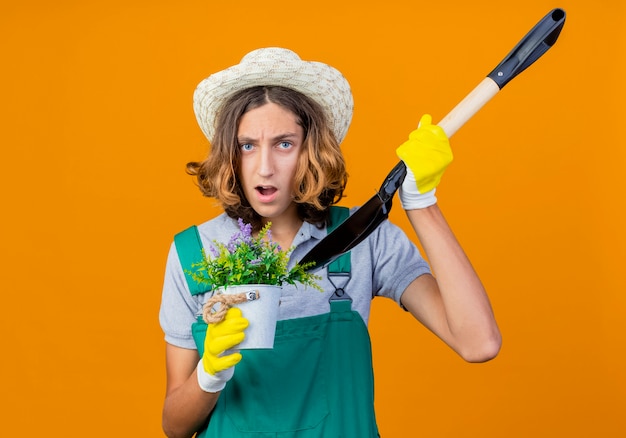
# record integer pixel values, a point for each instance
(370, 215)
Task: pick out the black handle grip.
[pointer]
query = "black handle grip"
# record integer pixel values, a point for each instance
(530, 48)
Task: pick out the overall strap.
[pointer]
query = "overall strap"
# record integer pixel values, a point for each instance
(190, 251)
(340, 267)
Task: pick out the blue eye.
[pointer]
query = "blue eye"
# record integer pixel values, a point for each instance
(246, 147)
(285, 144)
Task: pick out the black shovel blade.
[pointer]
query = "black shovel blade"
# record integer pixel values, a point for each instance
(359, 225)
(346, 236)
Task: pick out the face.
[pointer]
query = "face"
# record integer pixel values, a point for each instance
(270, 140)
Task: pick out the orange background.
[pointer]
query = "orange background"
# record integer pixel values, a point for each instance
(97, 126)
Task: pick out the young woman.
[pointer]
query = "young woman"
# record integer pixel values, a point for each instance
(275, 123)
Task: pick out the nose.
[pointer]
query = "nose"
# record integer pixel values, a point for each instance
(266, 162)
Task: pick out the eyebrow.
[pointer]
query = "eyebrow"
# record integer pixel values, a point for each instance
(286, 136)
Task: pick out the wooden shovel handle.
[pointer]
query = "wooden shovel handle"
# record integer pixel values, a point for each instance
(469, 106)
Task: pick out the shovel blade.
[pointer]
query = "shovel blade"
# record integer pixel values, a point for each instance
(349, 233)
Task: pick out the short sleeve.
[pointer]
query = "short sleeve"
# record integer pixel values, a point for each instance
(178, 307)
(397, 262)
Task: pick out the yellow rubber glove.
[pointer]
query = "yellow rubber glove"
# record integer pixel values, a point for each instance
(426, 154)
(215, 368)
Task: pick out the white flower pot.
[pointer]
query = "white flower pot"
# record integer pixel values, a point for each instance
(261, 312)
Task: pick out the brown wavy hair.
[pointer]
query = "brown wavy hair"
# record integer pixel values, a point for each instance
(320, 177)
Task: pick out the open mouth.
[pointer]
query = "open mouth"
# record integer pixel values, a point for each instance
(266, 190)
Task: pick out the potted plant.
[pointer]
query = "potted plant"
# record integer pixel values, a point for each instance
(249, 271)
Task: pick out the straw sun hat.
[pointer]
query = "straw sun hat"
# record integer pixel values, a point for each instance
(276, 66)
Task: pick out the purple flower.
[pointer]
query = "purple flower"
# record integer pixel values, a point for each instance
(232, 244)
(214, 251)
(243, 236)
(245, 231)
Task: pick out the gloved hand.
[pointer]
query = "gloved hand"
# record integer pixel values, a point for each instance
(215, 369)
(426, 154)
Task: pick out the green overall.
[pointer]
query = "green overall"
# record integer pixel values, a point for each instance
(316, 382)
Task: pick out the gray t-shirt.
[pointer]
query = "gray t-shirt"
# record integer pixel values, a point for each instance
(384, 264)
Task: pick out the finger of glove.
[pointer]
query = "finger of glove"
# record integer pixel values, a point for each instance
(424, 157)
(233, 322)
(226, 328)
(425, 120)
(217, 345)
(215, 364)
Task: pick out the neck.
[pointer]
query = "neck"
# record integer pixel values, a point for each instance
(284, 230)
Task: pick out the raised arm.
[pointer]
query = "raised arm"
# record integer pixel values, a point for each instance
(453, 302)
